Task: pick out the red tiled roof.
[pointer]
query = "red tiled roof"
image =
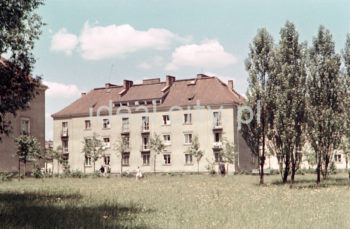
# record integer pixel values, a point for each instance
(208, 90)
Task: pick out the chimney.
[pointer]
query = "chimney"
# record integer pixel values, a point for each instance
(170, 80)
(230, 85)
(127, 84)
(201, 76)
(107, 85)
(83, 93)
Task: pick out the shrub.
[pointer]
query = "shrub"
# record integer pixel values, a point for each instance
(36, 172)
(6, 176)
(78, 174)
(97, 174)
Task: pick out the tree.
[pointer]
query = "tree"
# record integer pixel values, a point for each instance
(157, 146)
(122, 146)
(228, 152)
(19, 29)
(346, 139)
(325, 100)
(286, 90)
(195, 151)
(93, 148)
(28, 150)
(258, 67)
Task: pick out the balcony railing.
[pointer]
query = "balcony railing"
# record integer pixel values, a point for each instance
(64, 132)
(145, 148)
(65, 150)
(217, 125)
(217, 145)
(125, 129)
(145, 128)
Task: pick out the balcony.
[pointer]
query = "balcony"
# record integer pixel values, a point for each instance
(145, 148)
(125, 129)
(145, 128)
(64, 132)
(217, 125)
(65, 150)
(217, 145)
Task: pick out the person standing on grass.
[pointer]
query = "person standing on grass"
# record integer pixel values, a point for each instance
(138, 173)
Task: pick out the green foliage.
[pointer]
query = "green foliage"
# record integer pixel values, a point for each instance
(77, 174)
(6, 176)
(36, 172)
(28, 148)
(20, 27)
(121, 146)
(258, 67)
(332, 168)
(93, 148)
(157, 146)
(195, 150)
(325, 98)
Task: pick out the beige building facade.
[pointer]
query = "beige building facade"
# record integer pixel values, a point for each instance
(176, 110)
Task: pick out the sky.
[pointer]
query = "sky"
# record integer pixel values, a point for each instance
(87, 43)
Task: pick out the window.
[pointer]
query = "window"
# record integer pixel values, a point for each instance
(107, 159)
(125, 159)
(145, 145)
(188, 138)
(106, 142)
(87, 161)
(149, 102)
(145, 158)
(145, 123)
(337, 158)
(87, 124)
(187, 118)
(167, 159)
(217, 118)
(188, 159)
(25, 126)
(166, 138)
(125, 125)
(166, 120)
(64, 124)
(65, 145)
(106, 124)
(126, 141)
(217, 137)
(218, 157)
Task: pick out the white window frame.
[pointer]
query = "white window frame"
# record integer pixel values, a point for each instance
(188, 156)
(166, 120)
(87, 127)
(167, 139)
(107, 144)
(148, 156)
(168, 160)
(125, 159)
(187, 118)
(27, 120)
(87, 161)
(106, 123)
(188, 138)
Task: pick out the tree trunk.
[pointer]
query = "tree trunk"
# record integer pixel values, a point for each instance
(346, 161)
(325, 172)
(262, 162)
(52, 171)
(25, 169)
(121, 166)
(319, 169)
(94, 166)
(197, 167)
(154, 163)
(286, 170)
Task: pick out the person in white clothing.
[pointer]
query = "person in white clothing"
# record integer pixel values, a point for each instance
(138, 173)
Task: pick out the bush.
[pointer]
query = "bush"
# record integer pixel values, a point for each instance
(36, 172)
(126, 174)
(274, 172)
(78, 174)
(6, 176)
(97, 174)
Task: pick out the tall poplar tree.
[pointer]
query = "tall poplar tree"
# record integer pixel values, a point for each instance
(258, 67)
(325, 100)
(286, 90)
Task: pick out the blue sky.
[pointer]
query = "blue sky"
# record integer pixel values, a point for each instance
(87, 43)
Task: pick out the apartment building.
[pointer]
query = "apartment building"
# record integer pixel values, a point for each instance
(177, 110)
(30, 121)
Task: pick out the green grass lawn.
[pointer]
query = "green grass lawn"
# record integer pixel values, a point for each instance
(188, 201)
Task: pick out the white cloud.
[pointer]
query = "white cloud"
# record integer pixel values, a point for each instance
(156, 61)
(59, 90)
(99, 42)
(63, 41)
(209, 54)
